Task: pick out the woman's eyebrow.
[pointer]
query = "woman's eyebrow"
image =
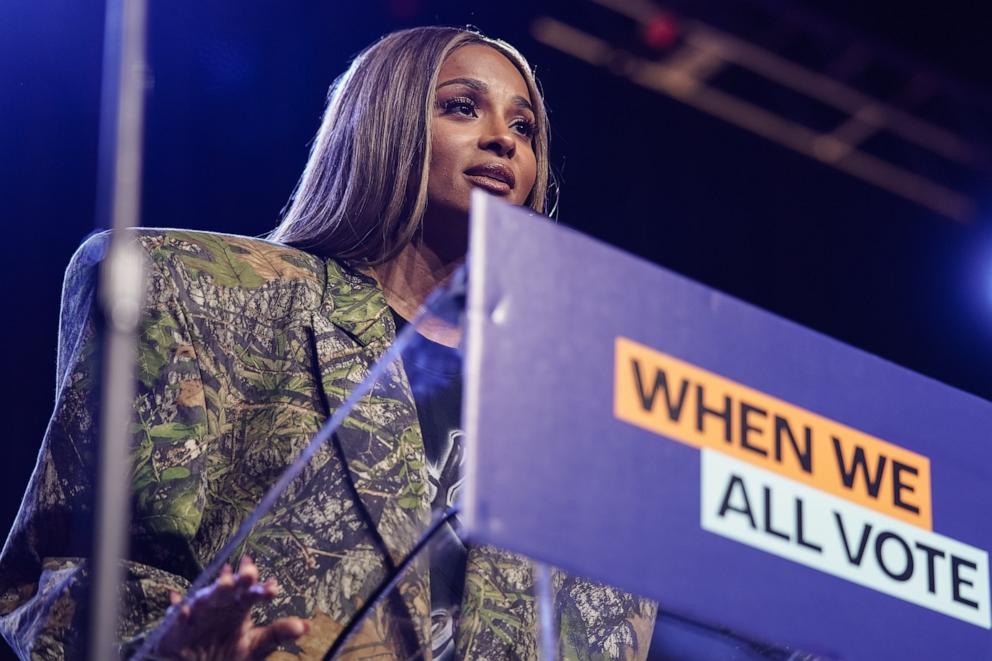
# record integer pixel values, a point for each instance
(483, 88)
(472, 83)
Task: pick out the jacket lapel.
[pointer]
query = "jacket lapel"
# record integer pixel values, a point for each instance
(381, 439)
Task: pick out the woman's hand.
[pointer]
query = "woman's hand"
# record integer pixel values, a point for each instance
(217, 624)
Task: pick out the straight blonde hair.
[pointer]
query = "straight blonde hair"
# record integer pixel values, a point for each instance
(363, 192)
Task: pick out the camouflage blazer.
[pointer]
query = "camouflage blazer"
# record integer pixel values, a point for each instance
(245, 348)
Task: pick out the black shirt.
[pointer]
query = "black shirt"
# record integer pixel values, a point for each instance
(435, 374)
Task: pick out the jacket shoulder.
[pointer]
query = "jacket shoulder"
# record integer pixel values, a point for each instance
(229, 260)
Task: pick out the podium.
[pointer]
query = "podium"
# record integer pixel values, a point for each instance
(632, 426)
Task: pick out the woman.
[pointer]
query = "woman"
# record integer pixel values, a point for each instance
(248, 345)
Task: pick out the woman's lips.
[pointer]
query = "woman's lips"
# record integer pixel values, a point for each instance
(490, 184)
(494, 177)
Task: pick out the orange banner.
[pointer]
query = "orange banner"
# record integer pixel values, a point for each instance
(691, 405)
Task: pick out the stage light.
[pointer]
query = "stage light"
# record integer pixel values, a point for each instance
(661, 32)
(975, 269)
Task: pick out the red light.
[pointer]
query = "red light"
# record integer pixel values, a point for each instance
(661, 31)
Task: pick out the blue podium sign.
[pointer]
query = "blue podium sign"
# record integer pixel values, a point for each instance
(638, 428)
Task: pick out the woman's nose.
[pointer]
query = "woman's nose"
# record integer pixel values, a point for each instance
(499, 141)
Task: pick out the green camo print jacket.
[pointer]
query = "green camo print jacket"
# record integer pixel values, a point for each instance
(245, 348)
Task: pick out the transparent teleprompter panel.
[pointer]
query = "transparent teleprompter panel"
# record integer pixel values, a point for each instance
(682, 639)
(320, 479)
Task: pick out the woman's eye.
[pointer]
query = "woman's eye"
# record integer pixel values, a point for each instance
(525, 128)
(459, 106)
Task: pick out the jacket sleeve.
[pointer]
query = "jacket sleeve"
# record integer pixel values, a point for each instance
(43, 566)
(499, 618)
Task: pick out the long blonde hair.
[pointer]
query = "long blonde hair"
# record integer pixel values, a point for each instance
(363, 192)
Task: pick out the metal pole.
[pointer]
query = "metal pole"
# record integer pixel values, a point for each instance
(547, 634)
(121, 289)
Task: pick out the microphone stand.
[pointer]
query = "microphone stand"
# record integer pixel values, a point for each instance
(121, 289)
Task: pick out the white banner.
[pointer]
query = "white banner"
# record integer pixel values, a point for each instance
(781, 516)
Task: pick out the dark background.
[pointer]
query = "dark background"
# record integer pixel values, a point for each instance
(237, 89)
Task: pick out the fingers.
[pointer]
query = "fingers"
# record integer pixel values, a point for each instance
(218, 617)
(235, 594)
(266, 590)
(175, 599)
(247, 590)
(266, 639)
(226, 576)
(247, 571)
(231, 593)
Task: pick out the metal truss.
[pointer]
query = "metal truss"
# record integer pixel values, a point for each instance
(944, 164)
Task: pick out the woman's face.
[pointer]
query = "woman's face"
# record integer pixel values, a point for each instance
(482, 136)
